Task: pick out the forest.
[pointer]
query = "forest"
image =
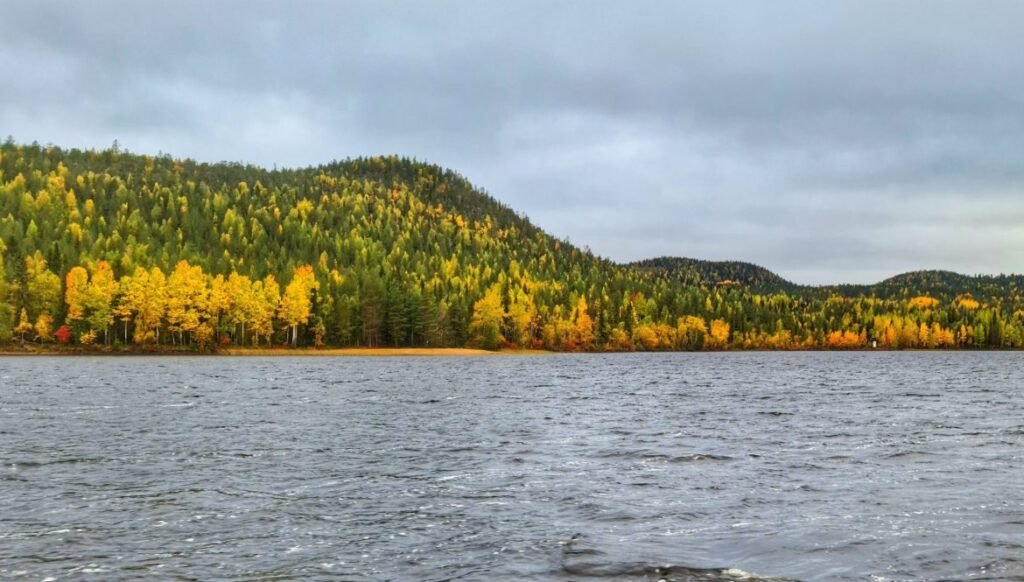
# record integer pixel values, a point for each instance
(111, 250)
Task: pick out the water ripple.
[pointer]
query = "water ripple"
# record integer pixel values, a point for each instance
(699, 467)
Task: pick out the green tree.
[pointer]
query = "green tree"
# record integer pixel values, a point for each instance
(6, 309)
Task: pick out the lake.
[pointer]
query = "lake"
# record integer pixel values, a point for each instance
(811, 466)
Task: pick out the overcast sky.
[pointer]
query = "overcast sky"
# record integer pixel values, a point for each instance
(829, 141)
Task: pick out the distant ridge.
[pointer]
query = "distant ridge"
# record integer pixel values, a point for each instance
(700, 272)
(939, 283)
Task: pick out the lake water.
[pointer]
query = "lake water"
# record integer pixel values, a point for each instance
(814, 466)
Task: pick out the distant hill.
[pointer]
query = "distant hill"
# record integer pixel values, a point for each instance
(946, 285)
(700, 272)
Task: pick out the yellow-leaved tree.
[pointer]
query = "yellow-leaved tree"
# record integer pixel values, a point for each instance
(144, 299)
(187, 297)
(42, 287)
(718, 338)
(583, 326)
(154, 304)
(127, 301)
(76, 285)
(218, 303)
(44, 328)
(244, 303)
(296, 302)
(90, 300)
(99, 299)
(268, 297)
(521, 318)
(24, 326)
(485, 325)
(690, 332)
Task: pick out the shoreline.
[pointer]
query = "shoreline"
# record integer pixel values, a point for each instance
(372, 352)
(407, 352)
(277, 352)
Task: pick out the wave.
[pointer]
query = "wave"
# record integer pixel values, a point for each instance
(586, 562)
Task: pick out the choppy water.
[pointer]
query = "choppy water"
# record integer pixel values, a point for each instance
(810, 465)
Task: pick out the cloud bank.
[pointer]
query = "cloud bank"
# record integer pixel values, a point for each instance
(831, 142)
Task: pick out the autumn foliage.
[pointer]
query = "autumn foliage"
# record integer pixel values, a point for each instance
(105, 247)
(923, 302)
(63, 334)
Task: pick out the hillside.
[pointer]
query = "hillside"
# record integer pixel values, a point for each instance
(108, 247)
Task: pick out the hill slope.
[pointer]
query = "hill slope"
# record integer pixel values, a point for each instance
(133, 249)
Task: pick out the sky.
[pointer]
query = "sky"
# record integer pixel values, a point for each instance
(839, 141)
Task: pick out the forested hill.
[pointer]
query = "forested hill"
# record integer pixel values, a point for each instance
(111, 248)
(724, 273)
(945, 285)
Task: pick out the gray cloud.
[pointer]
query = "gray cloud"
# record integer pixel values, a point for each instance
(839, 141)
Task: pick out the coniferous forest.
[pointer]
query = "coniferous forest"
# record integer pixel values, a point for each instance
(112, 249)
